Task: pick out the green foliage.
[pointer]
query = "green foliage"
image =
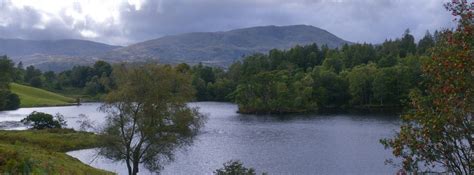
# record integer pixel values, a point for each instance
(360, 84)
(148, 116)
(306, 78)
(439, 128)
(8, 100)
(426, 43)
(39, 120)
(85, 80)
(36, 82)
(32, 73)
(6, 72)
(234, 167)
(211, 83)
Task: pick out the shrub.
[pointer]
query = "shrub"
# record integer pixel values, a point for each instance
(8, 100)
(39, 120)
(13, 102)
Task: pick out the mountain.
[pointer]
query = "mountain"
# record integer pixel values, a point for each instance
(53, 54)
(69, 47)
(214, 48)
(223, 48)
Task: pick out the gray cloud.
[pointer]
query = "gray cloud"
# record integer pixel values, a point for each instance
(354, 20)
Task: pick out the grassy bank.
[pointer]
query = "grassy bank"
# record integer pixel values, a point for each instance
(43, 152)
(34, 97)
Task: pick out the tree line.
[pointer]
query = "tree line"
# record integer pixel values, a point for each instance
(310, 78)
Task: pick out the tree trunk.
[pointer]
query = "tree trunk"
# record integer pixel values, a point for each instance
(135, 168)
(128, 165)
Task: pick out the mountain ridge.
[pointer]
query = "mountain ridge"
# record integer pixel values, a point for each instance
(224, 47)
(220, 48)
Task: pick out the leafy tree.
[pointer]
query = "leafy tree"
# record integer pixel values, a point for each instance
(387, 61)
(329, 89)
(334, 64)
(407, 44)
(386, 86)
(39, 120)
(12, 102)
(8, 100)
(358, 54)
(6, 72)
(148, 116)
(234, 167)
(36, 82)
(80, 75)
(360, 84)
(30, 73)
(425, 43)
(439, 129)
(102, 67)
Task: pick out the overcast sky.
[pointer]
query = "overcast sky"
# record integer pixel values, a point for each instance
(123, 22)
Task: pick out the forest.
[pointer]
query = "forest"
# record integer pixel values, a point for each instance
(312, 78)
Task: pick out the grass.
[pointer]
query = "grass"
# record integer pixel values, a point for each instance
(43, 152)
(34, 97)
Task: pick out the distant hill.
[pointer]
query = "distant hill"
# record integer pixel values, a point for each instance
(53, 54)
(223, 48)
(214, 48)
(68, 47)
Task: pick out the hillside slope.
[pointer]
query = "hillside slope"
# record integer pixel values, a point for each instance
(56, 55)
(223, 48)
(31, 97)
(67, 47)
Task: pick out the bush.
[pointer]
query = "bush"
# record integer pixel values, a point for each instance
(39, 120)
(234, 167)
(8, 100)
(13, 102)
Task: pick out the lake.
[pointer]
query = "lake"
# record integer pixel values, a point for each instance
(289, 144)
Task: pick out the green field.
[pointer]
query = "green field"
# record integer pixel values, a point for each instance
(42, 152)
(34, 97)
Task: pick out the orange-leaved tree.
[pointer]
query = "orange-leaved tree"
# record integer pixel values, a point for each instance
(438, 131)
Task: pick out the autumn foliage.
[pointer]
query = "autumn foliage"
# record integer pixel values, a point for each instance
(438, 132)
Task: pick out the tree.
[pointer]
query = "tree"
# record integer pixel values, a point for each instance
(148, 116)
(360, 83)
(386, 86)
(8, 100)
(39, 120)
(36, 82)
(334, 64)
(30, 73)
(407, 44)
(234, 167)
(6, 71)
(425, 43)
(102, 67)
(439, 130)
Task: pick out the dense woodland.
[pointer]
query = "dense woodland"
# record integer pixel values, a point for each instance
(302, 79)
(310, 78)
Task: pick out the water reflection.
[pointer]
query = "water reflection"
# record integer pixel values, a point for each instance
(277, 144)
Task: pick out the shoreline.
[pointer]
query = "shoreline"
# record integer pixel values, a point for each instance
(36, 151)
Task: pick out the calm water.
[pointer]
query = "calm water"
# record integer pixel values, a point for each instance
(297, 144)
